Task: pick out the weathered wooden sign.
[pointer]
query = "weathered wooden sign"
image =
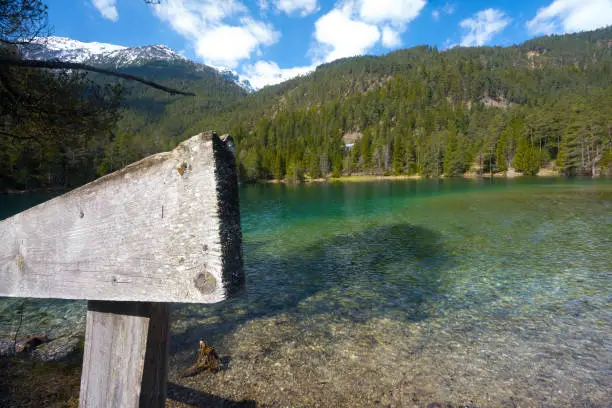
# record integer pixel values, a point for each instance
(164, 229)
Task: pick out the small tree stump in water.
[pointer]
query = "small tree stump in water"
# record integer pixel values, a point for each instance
(208, 360)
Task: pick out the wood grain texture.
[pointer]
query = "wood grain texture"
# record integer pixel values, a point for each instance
(125, 362)
(164, 229)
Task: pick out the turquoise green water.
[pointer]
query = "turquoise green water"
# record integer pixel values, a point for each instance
(403, 293)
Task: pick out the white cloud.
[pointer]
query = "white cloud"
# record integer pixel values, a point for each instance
(341, 36)
(223, 33)
(264, 73)
(305, 7)
(214, 44)
(108, 9)
(569, 16)
(483, 26)
(214, 39)
(351, 28)
(390, 37)
(355, 26)
(398, 12)
(448, 9)
(218, 10)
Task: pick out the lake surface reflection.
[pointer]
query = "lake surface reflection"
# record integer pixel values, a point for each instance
(404, 293)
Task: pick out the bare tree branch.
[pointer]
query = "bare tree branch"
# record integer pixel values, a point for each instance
(22, 20)
(25, 42)
(76, 65)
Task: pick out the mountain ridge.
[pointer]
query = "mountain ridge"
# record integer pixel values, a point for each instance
(113, 56)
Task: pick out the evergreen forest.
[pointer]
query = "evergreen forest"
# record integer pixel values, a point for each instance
(543, 104)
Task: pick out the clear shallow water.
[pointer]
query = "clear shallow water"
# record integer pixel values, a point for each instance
(404, 293)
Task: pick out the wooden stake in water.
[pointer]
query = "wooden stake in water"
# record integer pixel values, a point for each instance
(164, 229)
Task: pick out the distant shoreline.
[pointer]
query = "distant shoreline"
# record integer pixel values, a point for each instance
(371, 177)
(353, 178)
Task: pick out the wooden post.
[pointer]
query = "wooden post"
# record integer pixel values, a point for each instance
(125, 362)
(164, 229)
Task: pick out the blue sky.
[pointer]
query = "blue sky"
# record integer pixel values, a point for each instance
(267, 41)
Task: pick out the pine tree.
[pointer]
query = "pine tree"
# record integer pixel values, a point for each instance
(295, 172)
(502, 151)
(526, 159)
(399, 155)
(279, 167)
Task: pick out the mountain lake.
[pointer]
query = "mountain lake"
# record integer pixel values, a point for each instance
(485, 292)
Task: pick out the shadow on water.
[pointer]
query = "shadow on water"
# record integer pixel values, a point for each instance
(391, 271)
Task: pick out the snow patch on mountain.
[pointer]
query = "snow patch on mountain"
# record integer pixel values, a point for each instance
(234, 76)
(66, 49)
(136, 56)
(111, 55)
(69, 50)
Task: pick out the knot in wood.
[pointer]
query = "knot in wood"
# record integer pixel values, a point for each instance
(205, 282)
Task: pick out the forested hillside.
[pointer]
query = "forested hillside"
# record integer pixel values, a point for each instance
(544, 103)
(421, 111)
(154, 121)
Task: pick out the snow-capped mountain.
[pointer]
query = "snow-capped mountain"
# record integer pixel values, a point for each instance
(66, 49)
(111, 55)
(135, 56)
(234, 76)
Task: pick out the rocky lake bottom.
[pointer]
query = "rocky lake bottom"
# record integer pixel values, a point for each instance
(400, 293)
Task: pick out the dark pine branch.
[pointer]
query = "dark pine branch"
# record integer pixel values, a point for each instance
(85, 67)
